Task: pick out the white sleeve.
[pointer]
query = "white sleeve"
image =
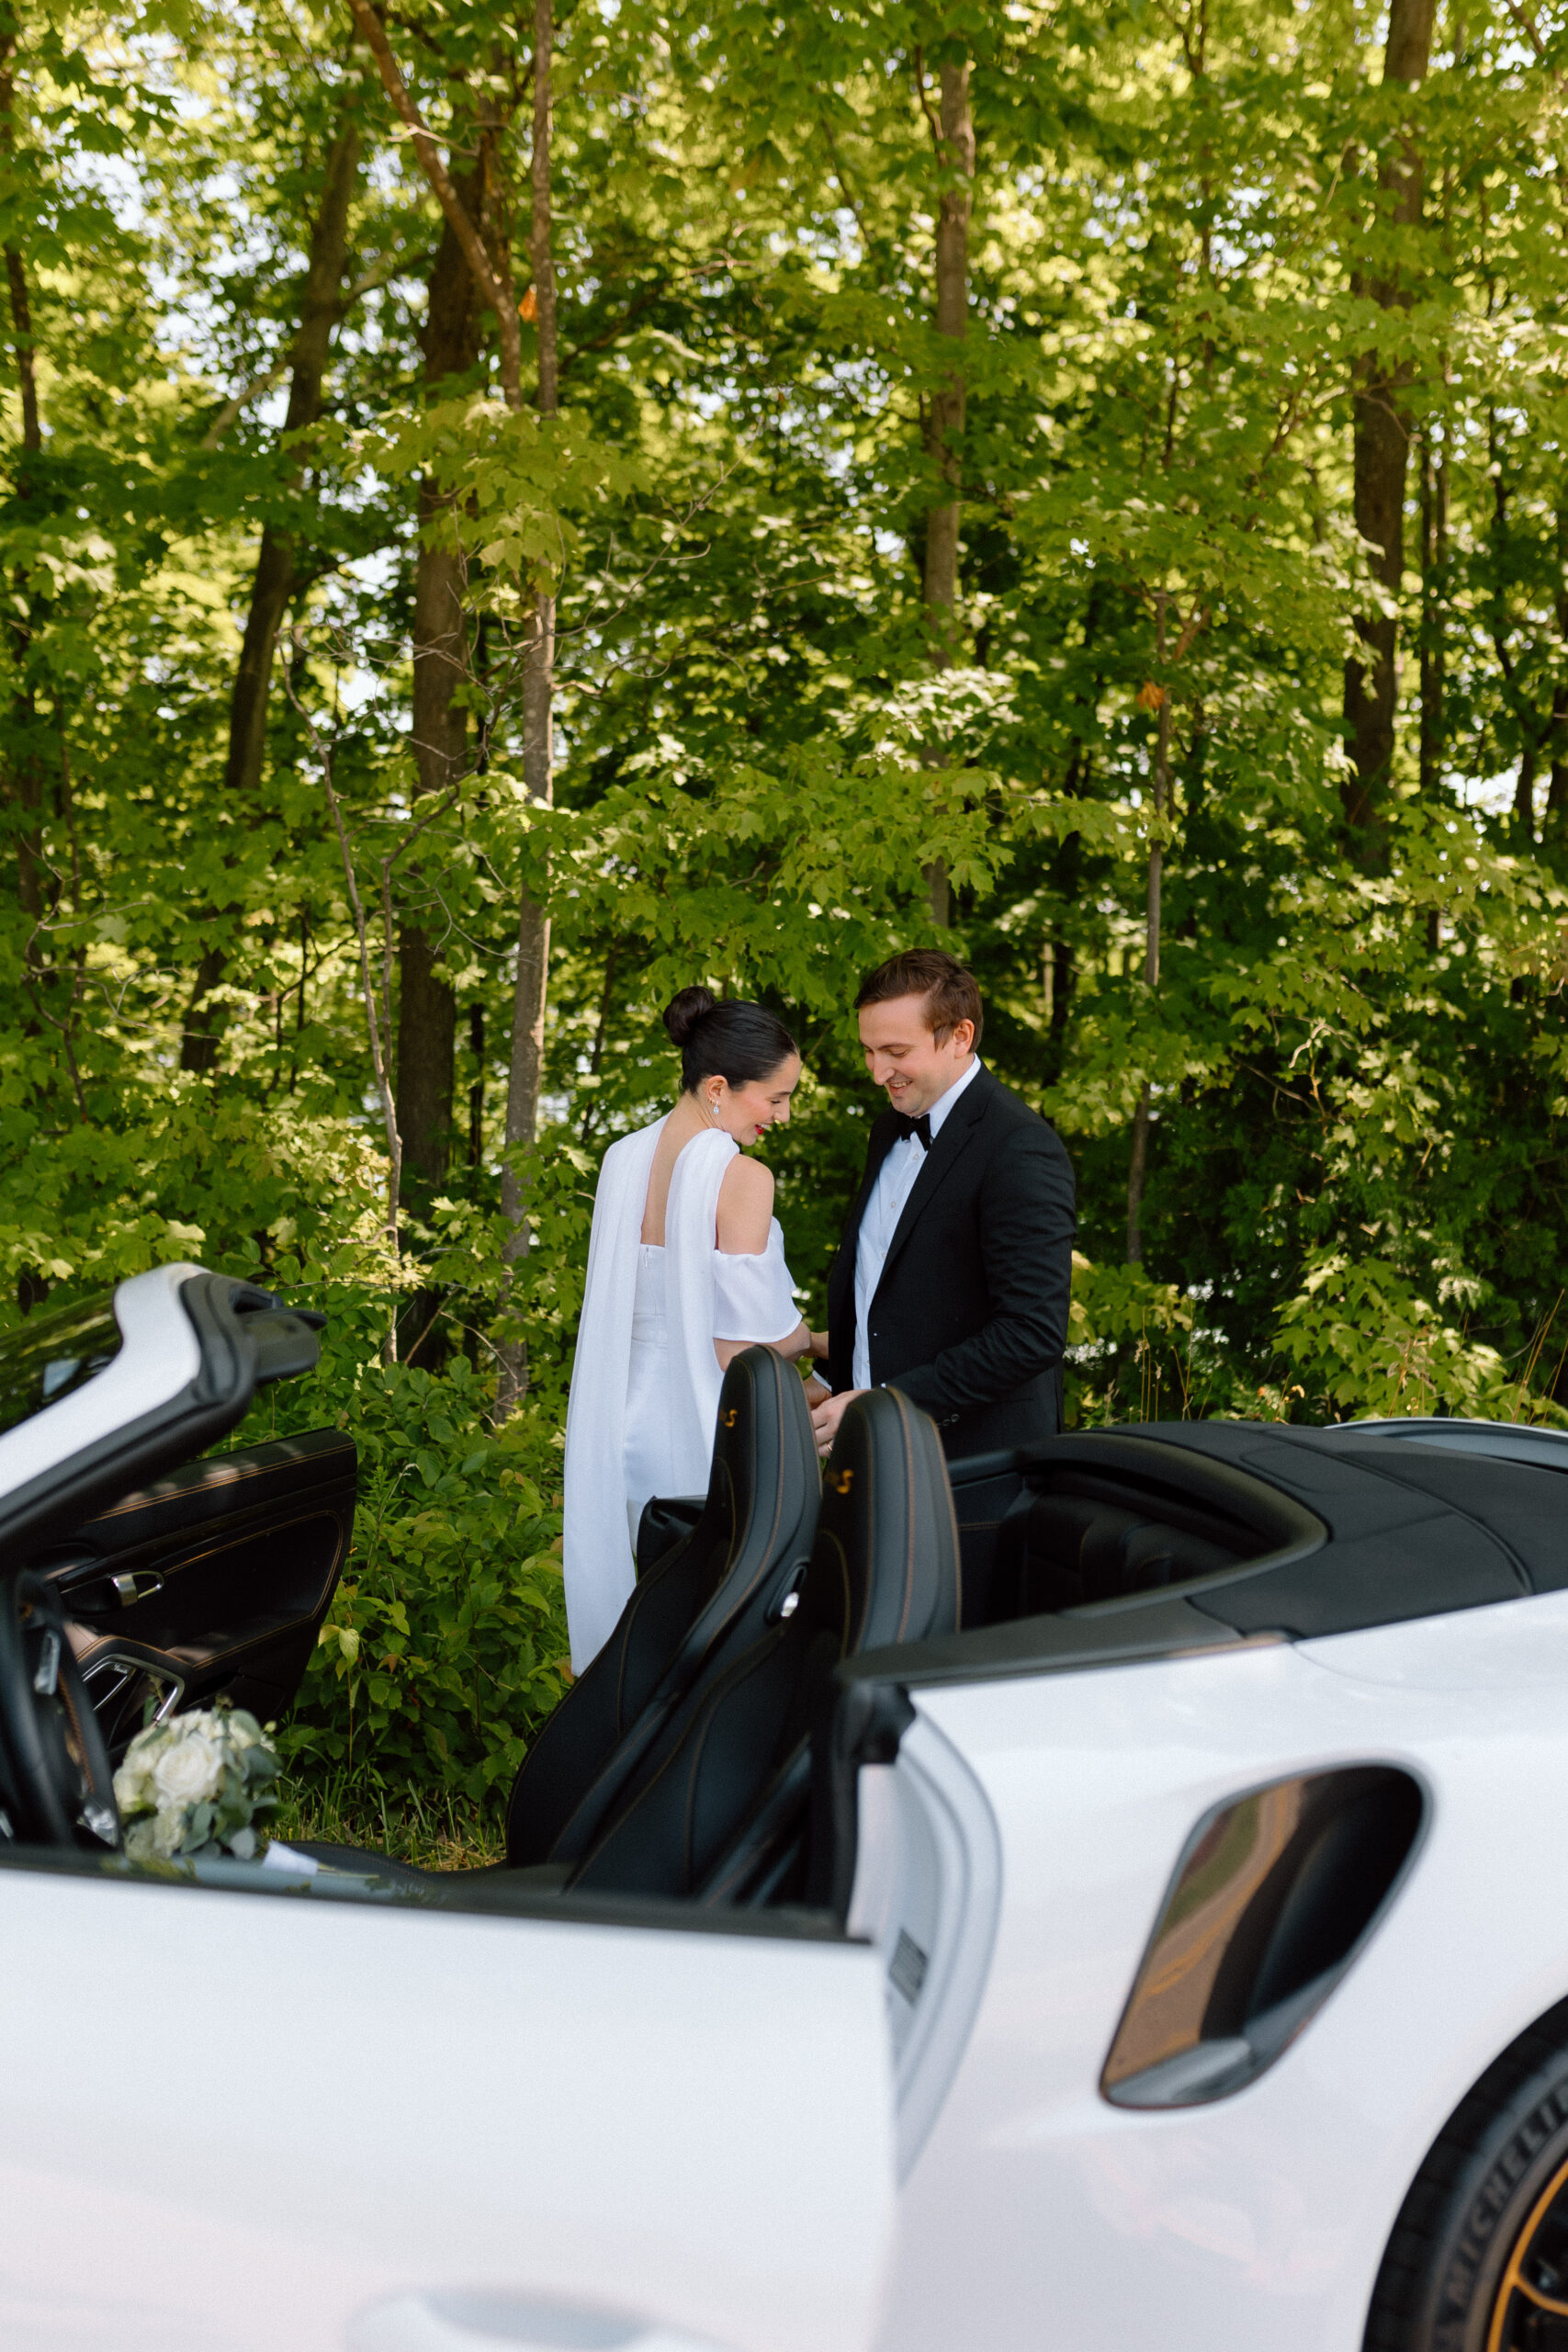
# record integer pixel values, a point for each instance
(752, 1297)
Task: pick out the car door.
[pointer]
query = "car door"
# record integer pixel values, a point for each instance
(285, 2123)
(213, 1579)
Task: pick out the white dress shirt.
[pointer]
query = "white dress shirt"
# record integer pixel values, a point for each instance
(895, 1182)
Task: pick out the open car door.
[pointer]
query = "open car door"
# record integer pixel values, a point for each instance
(318, 2125)
(211, 1581)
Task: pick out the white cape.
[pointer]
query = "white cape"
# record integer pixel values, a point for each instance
(596, 1554)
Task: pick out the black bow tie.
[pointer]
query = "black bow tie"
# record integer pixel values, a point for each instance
(920, 1126)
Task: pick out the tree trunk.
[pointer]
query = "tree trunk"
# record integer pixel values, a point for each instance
(22, 328)
(1524, 795)
(944, 415)
(483, 241)
(24, 764)
(1534, 731)
(477, 1086)
(1137, 1167)
(954, 141)
(274, 580)
(1556, 823)
(1433, 556)
(472, 267)
(427, 1005)
(426, 1057)
(1381, 446)
(1136, 1170)
(527, 1064)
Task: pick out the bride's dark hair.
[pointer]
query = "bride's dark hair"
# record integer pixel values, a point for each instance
(725, 1038)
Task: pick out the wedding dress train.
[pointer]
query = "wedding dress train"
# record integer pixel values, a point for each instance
(644, 1382)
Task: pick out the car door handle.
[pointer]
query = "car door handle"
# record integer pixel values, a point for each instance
(139, 1586)
(482, 2321)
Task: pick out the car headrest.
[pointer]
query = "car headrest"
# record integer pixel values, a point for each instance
(885, 1565)
(763, 1489)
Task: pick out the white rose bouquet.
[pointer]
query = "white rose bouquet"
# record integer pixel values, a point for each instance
(193, 1787)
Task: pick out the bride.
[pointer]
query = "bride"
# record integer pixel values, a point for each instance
(685, 1268)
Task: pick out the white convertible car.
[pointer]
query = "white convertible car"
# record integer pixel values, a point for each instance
(1149, 1941)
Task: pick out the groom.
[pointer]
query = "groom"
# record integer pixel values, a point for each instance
(953, 1278)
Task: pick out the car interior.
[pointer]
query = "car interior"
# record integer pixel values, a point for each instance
(680, 1764)
(215, 1579)
(708, 1755)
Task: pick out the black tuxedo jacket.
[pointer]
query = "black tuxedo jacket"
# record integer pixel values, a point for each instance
(970, 1318)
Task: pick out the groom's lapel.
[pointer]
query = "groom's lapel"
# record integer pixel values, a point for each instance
(841, 1278)
(879, 1143)
(941, 1160)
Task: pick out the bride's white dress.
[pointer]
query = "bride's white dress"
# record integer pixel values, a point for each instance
(645, 1380)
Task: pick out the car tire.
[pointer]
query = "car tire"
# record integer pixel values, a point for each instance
(1478, 2260)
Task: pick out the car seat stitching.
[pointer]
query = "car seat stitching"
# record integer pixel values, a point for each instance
(956, 1554)
(744, 1595)
(846, 1597)
(697, 1731)
(643, 1796)
(700, 1730)
(621, 1670)
(774, 1527)
(764, 1563)
(603, 1771)
(593, 1786)
(638, 1599)
(719, 1631)
(229, 1478)
(717, 1894)
(734, 1513)
(909, 1432)
(772, 1530)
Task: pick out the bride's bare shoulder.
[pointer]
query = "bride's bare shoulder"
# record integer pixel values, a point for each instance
(745, 1207)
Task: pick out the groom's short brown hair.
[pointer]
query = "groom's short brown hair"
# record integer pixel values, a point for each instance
(949, 990)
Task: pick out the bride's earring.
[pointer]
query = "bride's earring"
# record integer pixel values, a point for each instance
(712, 1102)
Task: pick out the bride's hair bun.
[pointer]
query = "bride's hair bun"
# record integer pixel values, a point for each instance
(683, 1011)
(735, 1041)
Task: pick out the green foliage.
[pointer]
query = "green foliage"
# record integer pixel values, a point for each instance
(1370, 1341)
(1125, 1329)
(445, 1644)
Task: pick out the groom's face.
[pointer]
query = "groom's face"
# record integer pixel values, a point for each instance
(902, 1055)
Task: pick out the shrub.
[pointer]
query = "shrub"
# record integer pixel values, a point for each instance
(446, 1643)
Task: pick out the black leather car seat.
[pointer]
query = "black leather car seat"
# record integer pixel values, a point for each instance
(710, 1592)
(1080, 1543)
(719, 1800)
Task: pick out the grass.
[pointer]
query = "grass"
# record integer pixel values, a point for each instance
(444, 1832)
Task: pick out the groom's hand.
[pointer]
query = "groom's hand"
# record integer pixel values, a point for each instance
(826, 1419)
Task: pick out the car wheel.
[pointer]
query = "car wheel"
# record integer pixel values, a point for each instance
(1478, 2261)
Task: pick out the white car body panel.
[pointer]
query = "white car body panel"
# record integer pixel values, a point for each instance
(1038, 2211)
(272, 2122)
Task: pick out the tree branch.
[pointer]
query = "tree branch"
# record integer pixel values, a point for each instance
(468, 239)
(931, 123)
(259, 386)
